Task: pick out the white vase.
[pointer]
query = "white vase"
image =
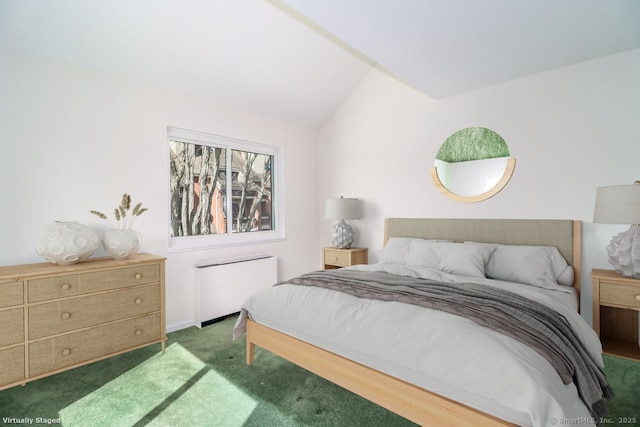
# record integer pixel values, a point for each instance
(67, 242)
(121, 243)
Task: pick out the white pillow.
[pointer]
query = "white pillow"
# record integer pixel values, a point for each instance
(399, 250)
(424, 253)
(541, 266)
(464, 260)
(561, 269)
(395, 251)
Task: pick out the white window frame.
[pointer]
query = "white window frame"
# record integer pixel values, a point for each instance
(191, 243)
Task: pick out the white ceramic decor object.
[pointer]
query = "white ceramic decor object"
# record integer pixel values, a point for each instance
(121, 243)
(67, 242)
(620, 204)
(341, 233)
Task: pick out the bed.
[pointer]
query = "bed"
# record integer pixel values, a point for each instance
(433, 366)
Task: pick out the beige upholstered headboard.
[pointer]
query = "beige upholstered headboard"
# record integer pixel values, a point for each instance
(563, 234)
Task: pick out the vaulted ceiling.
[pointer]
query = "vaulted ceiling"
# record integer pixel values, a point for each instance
(447, 47)
(296, 60)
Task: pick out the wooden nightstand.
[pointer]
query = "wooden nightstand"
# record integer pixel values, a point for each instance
(336, 258)
(616, 302)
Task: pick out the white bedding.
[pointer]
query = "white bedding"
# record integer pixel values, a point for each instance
(437, 351)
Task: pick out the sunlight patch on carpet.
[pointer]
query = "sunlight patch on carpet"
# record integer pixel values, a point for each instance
(186, 390)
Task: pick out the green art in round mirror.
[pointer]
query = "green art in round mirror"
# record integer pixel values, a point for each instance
(472, 165)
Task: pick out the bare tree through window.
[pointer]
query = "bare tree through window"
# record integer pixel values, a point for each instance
(205, 178)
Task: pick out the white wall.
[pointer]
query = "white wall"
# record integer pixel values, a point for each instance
(571, 130)
(75, 140)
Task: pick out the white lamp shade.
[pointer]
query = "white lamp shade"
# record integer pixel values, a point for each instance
(618, 204)
(343, 209)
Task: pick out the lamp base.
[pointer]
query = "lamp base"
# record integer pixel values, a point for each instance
(342, 235)
(624, 252)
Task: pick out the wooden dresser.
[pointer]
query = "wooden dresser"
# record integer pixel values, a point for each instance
(57, 317)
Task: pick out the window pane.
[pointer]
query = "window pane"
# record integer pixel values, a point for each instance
(252, 191)
(197, 189)
(223, 191)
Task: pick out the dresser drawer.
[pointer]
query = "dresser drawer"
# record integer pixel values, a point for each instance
(616, 295)
(12, 324)
(84, 283)
(75, 313)
(80, 347)
(53, 287)
(119, 278)
(338, 258)
(11, 294)
(12, 362)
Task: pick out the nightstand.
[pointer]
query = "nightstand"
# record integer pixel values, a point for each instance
(616, 302)
(335, 258)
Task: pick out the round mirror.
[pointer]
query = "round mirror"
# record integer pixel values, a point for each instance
(472, 165)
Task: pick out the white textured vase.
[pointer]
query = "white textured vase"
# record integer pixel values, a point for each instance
(121, 244)
(67, 242)
(624, 252)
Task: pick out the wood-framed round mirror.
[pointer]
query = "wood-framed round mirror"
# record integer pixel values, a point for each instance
(472, 165)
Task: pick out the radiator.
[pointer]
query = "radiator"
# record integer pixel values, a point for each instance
(222, 287)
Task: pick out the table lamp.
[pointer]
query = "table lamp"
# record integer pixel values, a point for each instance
(620, 204)
(341, 209)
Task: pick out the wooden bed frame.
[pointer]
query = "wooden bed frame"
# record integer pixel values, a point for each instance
(409, 401)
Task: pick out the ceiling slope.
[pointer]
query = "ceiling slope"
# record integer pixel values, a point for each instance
(297, 60)
(247, 54)
(447, 47)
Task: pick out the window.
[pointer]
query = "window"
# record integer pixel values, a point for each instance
(223, 191)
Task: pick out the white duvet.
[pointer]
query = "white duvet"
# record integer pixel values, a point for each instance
(437, 351)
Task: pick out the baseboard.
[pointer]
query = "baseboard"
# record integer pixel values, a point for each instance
(179, 326)
(219, 319)
(184, 325)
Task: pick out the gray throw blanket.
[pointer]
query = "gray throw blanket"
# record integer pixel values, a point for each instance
(527, 321)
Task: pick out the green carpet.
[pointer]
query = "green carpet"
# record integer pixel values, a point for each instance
(624, 377)
(202, 380)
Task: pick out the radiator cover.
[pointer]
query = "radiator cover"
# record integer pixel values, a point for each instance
(222, 287)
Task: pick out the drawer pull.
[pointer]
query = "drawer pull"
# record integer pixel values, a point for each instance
(66, 352)
(138, 300)
(139, 332)
(335, 258)
(138, 276)
(65, 286)
(66, 315)
(637, 297)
